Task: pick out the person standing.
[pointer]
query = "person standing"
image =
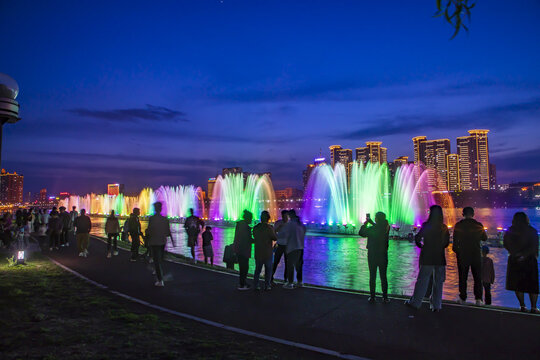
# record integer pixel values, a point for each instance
(83, 225)
(294, 232)
(73, 214)
(521, 241)
(264, 238)
(66, 225)
(208, 251)
(377, 247)
(242, 247)
(157, 232)
(112, 229)
(433, 238)
(281, 245)
(54, 230)
(468, 236)
(193, 226)
(488, 274)
(134, 230)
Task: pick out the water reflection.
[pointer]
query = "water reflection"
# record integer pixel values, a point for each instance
(341, 261)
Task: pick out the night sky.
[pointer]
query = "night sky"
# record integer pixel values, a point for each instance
(156, 93)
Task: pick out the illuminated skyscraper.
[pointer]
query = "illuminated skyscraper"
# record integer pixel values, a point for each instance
(372, 152)
(419, 143)
(453, 172)
(402, 160)
(115, 189)
(42, 195)
(11, 188)
(309, 169)
(345, 157)
(211, 184)
(334, 154)
(231, 171)
(473, 151)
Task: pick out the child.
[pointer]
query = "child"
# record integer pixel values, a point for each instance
(207, 245)
(488, 274)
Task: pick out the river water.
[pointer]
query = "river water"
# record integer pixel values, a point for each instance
(340, 261)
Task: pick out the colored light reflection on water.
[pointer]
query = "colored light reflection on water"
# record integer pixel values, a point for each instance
(341, 261)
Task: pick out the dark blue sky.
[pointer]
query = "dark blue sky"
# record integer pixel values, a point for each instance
(150, 93)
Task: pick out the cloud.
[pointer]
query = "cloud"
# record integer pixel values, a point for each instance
(150, 113)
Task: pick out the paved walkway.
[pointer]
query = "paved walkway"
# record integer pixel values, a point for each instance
(344, 322)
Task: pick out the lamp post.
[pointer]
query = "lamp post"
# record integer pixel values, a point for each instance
(9, 108)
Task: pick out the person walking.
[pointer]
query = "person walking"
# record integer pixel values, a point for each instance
(112, 229)
(521, 241)
(66, 225)
(433, 238)
(54, 230)
(157, 232)
(193, 226)
(242, 247)
(83, 225)
(73, 214)
(468, 236)
(281, 245)
(208, 251)
(134, 230)
(488, 274)
(264, 238)
(377, 247)
(294, 232)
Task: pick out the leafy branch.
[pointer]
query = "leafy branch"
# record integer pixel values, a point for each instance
(455, 12)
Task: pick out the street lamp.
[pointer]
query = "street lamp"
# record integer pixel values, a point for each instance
(9, 108)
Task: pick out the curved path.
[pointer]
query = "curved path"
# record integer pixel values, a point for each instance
(339, 323)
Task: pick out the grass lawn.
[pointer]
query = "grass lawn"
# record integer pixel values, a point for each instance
(47, 313)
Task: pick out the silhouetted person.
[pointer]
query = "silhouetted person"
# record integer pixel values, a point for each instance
(468, 235)
(54, 230)
(73, 215)
(377, 246)
(242, 247)
(433, 238)
(521, 241)
(281, 245)
(66, 225)
(134, 230)
(112, 229)
(488, 274)
(294, 232)
(264, 237)
(83, 225)
(193, 226)
(158, 230)
(208, 250)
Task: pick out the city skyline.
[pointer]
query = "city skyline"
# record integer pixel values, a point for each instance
(201, 86)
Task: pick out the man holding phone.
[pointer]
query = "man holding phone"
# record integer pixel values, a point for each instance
(377, 246)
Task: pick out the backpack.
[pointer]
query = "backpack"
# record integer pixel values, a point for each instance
(229, 256)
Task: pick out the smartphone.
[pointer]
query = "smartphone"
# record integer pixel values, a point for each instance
(368, 216)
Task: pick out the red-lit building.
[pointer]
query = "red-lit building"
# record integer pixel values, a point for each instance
(115, 189)
(11, 188)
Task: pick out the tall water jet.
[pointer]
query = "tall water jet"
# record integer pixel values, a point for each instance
(332, 197)
(232, 195)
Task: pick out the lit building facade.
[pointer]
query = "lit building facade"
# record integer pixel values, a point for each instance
(11, 188)
(334, 154)
(231, 171)
(452, 164)
(400, 161)
(115, 189)
(473, 151)
(211, 184)
(419, 143)
(373, 152)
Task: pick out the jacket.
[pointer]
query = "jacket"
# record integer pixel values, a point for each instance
(377, 239)
(83, 224)
(294, 232)
(468, 235)
(263, 235)
(112, 225)
(432, 240)
(242, 239)
(158, 230)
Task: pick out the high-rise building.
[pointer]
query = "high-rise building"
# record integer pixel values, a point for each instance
(334, 154)
(492, 176)
(42, 195)
(372, 152)
(231, 171)
(419, 143)
(435, 159)
(211, 184)
(11, 188)
(473, 151)
(452, 164)
(345, 157)
(319, 161)
(115, 189)
(402, 160)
